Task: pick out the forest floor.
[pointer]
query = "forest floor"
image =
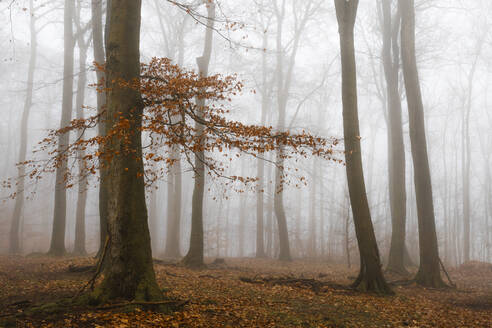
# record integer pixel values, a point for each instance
(248, 293)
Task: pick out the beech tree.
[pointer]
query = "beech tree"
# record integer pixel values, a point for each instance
(194, 257)
(83, 46)
(396, 147)
(129, 273)
(145, 98)
(15, 226)
(99, 57)
(57, 246)
(370, 276)
(429, 273)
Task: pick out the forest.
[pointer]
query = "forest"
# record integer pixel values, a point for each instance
(257, 163)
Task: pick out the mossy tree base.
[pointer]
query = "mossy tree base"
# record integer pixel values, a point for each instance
(431, 280)
(193, 261)
(371, 281)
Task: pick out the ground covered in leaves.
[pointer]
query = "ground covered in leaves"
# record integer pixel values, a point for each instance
(245, 293)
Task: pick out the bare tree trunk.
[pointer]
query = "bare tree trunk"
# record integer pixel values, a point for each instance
(347, 235)
(79, 244)
(172, 248)
(312, 211)
(99, 57)
(15, 227)
(173, 231)
(429, 270)
(466, 149)
(194, 257)
(260, 192)
(370, 276)
(396, 155)
(57, 246)
(129, 272)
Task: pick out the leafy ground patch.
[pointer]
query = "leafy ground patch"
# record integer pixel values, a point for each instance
(245, 293)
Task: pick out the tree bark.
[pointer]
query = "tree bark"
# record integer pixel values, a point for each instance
(99, 57)
(172, 248)
(396, 147)
(129, 272)
(57, 246)
(429, 271)
(370, 277)
(15, 227)
(79, 244)
(194, 257)
(260, 192)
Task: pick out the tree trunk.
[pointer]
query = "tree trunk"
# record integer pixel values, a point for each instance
(466, 149)
(312, 211)
(194, 257)
(172, 248)
(15, 227)
(260, 192)
(57, 246)
(79, 244)
(99, 57)
(429, 272)
(396, 147)
(129, 272)
(370, 276)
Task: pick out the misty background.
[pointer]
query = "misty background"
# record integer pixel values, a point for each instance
(454, 51)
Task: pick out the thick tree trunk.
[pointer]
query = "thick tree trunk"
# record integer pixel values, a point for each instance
(57, 246)
(370, 276)
(129, 272)
(429, 271)
(194, 257)
(15, 227)
(396, 154)
(79, 244)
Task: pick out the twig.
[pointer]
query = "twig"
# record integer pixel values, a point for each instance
(447, 275)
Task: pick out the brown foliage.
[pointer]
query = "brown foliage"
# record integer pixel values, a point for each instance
(170, 112)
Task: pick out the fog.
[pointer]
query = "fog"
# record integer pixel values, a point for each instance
(454, 52)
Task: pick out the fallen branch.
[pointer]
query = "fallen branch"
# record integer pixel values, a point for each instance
(313, 284)
(77, 269)
(114, 306)
(447, 275)
(92, 281)
(404, 282)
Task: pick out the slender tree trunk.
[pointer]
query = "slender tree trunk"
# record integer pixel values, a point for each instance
(99, 57)
(153, 221)
(194, 257)
(429, 271)
(260, 192)
(312, 212)
(466, 152)
(172, 248)
(173, 231)
(396, 155)
(79, 244)
(129, 272)
(15, 227)
(370, 276)
(57, 246)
